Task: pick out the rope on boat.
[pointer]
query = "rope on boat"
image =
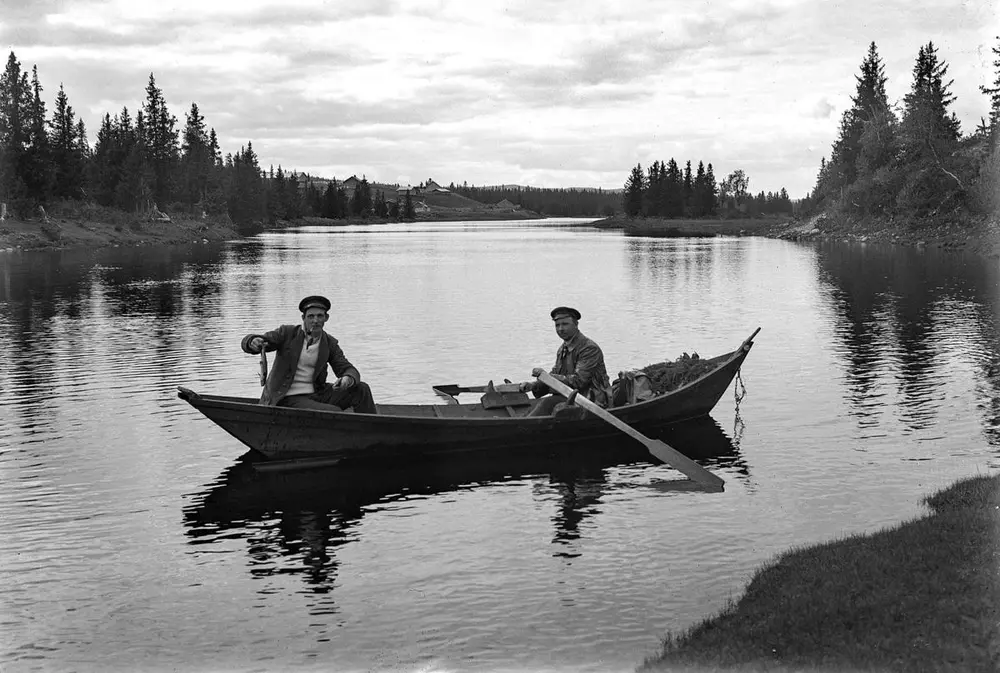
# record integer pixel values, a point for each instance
(739, 389)
(739, 392)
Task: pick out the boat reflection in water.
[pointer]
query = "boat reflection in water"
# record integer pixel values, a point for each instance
(294, 520)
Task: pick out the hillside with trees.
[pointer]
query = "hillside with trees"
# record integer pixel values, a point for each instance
(548, 202)
(910, 160)
(144, 163)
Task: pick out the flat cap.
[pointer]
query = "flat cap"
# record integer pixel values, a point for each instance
(561, 311)
(314, 301)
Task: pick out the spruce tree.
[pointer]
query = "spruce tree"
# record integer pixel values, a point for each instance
(66, 149)
(197, 160)
(655, 193)
(160, 142)
(245, 195)
(868, 101)
(994, 94)
(711, 191)
(927, 125)
(83, 154)
(133, 191)
(699, 205)
(673, 190)
(929, 135)
(15, 115)
(215, 197)
(37, 168)
(102, 174)
(632, 199)
(279, 209)
(688, 188)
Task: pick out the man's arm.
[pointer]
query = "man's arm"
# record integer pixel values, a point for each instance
(340, 364)
(272, 340)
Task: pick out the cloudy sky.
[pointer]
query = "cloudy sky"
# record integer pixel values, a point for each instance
(541, 92)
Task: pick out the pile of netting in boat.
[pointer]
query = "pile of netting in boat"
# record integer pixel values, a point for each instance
(667, 376)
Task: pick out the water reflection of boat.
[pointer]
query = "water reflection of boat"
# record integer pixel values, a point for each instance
(308, 513)
(425, 431)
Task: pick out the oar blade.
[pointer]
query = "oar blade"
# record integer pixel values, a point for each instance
(659, 449)
(683, 464)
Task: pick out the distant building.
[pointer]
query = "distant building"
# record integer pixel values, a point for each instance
(434, 188)
(350, 184)
(506, 205)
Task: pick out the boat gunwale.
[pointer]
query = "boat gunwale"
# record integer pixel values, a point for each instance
(241, 403)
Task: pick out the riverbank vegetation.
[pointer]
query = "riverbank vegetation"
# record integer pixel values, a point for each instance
(919, 597)
(910, 160)
(141, 163)
(145, 173)
(665, 191)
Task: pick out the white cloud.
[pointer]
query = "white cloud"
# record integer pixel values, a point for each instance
(528, 91)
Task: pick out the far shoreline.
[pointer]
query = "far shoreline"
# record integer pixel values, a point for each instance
(979, 234)
(106, 228)
(110, 229)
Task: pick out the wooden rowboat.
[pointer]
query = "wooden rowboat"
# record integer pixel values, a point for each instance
(421, 431)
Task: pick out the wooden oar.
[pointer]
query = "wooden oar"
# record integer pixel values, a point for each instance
(452, 389)
(661, 450)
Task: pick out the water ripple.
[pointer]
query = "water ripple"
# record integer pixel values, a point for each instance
(125, 514)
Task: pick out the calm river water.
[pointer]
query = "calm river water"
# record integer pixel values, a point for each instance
(133, 538)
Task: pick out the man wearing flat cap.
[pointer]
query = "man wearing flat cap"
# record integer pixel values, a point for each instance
(579, 364)
(298, 376)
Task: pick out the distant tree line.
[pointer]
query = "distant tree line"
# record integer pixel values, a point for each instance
(665, 190)
(911, 159)
(546, 201)
(142, 161)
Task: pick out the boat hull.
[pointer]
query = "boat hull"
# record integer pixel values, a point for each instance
(415, 431)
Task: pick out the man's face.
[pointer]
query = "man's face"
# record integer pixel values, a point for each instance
(566, 327)
(313, 320)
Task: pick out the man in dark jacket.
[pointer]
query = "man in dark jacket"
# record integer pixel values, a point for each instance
(298, 376)
(579, 364)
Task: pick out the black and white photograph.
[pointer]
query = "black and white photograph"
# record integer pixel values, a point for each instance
(507, 336)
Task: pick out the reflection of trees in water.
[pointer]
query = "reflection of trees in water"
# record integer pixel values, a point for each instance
(293, 522)
(686, 262)
(65, 308)
(896, 307)
(668, 260)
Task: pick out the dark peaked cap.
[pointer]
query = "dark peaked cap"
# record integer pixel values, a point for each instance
(314, 300)
(560, 311)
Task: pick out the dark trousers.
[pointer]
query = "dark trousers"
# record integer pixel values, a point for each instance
(555, 405)
(358, 396)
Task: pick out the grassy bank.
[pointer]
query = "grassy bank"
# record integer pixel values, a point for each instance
(677, 227)
(92, 226)
(962, 231)
(923, 596)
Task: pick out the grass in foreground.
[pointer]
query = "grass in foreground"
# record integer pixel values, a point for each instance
(924, 596)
